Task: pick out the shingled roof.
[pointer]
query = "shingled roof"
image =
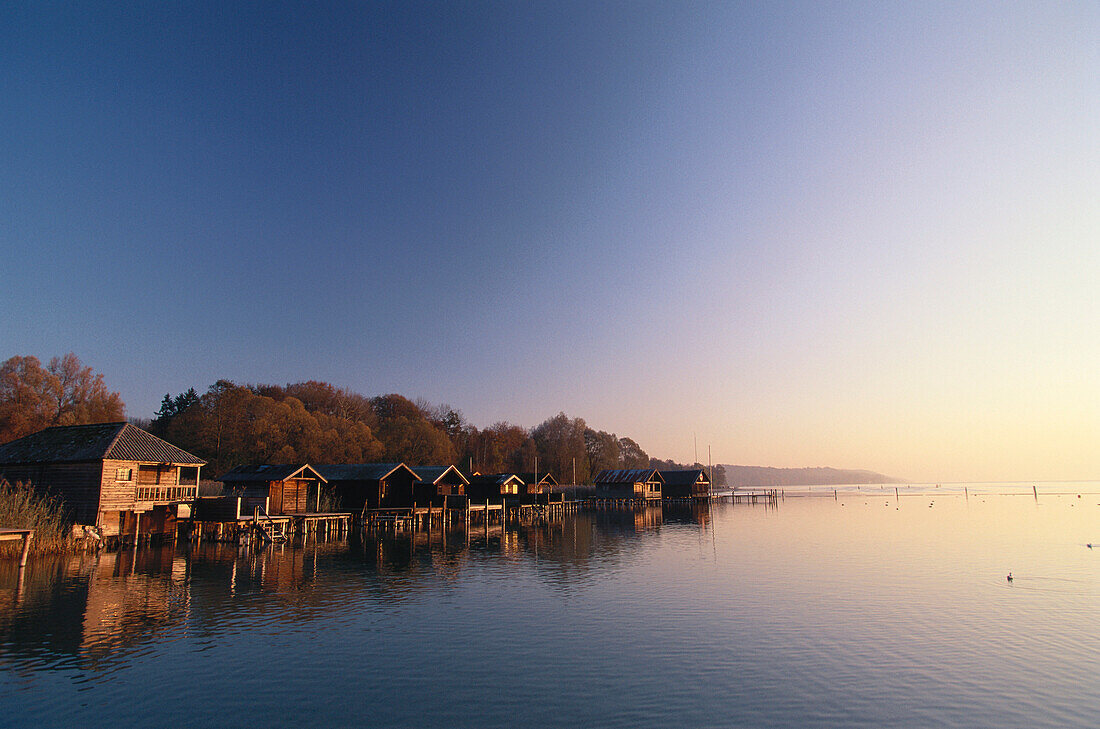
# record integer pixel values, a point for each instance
(361, 471)
(496, 479)
(100, 441)
(628, 475)
(432, 474)
(684, 478)
(264, 472)
(543, 478)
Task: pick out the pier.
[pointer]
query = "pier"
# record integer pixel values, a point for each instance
(751, 496)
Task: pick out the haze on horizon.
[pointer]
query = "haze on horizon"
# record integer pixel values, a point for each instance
(859, 236)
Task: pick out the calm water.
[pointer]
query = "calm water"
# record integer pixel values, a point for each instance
(820, 612)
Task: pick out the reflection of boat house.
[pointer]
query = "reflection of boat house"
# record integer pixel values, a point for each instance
(113, 475)
(362, 486)
(689, 484)
(540, 484)
(642, 484)
(494, 485)
(289, 489)
(439, 481)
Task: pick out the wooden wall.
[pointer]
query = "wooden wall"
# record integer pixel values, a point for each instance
(293, 496)
(77, 484)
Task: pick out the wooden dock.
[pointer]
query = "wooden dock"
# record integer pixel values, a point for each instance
(750, 496)
(272, 528)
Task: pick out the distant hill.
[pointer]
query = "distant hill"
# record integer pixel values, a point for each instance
(765, 476)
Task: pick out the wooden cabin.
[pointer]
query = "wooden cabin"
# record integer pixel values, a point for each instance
(639, 484)
(492, 486)
(438, 481)
(288, 489)
(538, 484)
(115, 476)
(361, 486)
(688, 484)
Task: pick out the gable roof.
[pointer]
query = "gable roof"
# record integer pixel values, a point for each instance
(498, 479)
(361, 471)
(264, 472)
(628, 475)
(432, 474)
(546, 478)
(96, 442)
(684, 478)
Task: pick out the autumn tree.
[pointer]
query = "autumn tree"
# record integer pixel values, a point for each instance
(560, 446)
(63, 393)
(632, 455)
(602, 449)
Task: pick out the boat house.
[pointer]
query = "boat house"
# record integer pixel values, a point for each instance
(358, 487)
(636, 484)
(538, 484)
(288, 489)
(439, 481)
(115, 476)
(485, 487)
(689, 484)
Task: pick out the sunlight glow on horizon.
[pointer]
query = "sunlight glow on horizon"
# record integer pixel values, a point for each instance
(862, 237)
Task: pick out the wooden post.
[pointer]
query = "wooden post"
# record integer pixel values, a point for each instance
(26, 549)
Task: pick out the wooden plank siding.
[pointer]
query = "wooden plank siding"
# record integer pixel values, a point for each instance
(293, 496)
(77, 484)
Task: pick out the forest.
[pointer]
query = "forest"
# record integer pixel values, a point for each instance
(314, 422)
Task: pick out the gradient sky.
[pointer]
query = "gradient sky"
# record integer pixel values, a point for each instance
(843, 234)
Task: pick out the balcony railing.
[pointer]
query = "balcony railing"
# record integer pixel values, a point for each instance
(167, 493)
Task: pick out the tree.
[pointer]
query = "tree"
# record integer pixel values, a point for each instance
(603, 450)
(63, 393)
(632, 454)
(560, 444)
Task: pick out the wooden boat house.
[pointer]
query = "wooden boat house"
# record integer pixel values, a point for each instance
(288, 489)
(114, 476)
(635, 484)
(358, 487)
(538, 484)
(688, 484)
(492, 486)
(438, 481)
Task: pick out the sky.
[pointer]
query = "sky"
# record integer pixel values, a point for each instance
(859, 235)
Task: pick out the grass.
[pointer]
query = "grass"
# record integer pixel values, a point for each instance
(22, 507)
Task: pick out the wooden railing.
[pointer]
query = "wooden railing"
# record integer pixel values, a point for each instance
(167, 493)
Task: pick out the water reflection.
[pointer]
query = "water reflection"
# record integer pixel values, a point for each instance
(854, 611)
(90, 610)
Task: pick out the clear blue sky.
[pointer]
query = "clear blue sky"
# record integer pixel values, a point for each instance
(858, 235)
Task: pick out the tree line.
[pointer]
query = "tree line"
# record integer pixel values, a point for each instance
(316, 422)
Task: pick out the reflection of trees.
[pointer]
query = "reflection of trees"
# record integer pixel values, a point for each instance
(96, 610)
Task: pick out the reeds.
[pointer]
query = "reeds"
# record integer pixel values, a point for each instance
(22, 507)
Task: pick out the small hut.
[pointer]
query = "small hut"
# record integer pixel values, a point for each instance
(692, 483)
(540, 483)
(491, 486)
(641, 484)
(288, 488)
(362, 486)
(438, 481)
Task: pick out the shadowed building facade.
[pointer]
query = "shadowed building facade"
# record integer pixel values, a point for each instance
(115, 476)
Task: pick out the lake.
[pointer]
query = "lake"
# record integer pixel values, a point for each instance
(854, 610)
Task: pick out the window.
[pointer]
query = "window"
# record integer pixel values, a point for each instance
(124, 474)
